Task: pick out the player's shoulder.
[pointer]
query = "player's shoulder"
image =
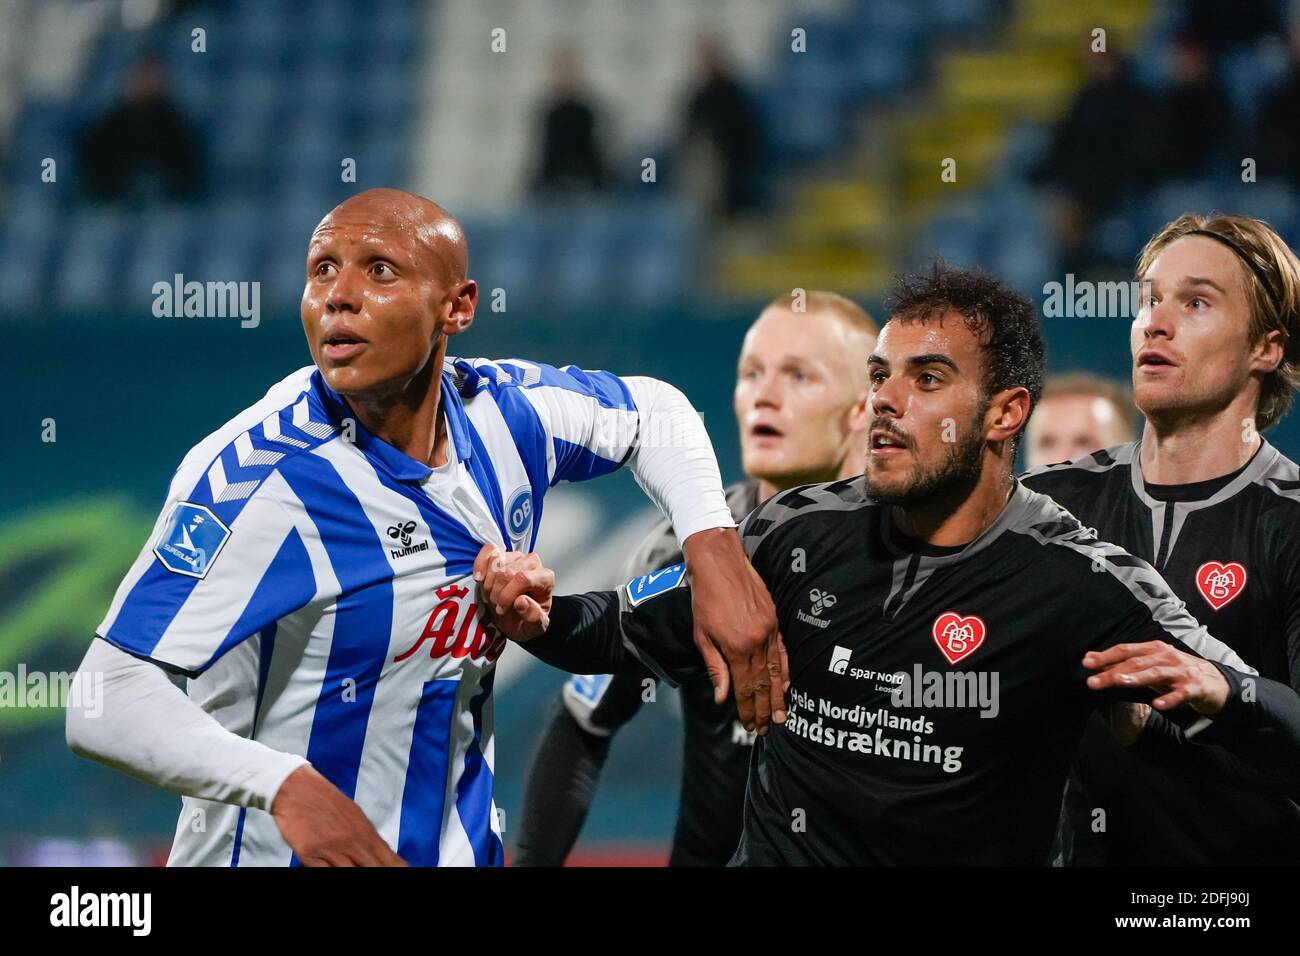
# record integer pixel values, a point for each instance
(793, 508)
(232, 462)
(472, 376)
(1093, 470)
(1278, 480)
(660, 548)
(1062, 541)
(1040, 517)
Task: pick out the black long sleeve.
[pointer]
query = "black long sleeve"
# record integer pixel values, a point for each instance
(601, 632)
(1254, 741)
(584, 635)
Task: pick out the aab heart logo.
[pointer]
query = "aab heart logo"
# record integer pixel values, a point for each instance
(958, 637)
(1220, 583)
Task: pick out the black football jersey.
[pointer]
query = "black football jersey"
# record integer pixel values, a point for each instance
(937, 694)
(1230, 549)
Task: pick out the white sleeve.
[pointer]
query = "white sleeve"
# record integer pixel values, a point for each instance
(126, 713)
(673, 460)
(594, 421)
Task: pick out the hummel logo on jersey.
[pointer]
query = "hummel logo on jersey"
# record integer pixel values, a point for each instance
(191, 540)
(821, 601)
(958, 637)
(840, 659)
(1220, 583)
(403, 532)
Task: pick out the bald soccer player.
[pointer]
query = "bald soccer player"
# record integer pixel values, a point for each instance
(1079, 412)
(310, 572)
(800, 402)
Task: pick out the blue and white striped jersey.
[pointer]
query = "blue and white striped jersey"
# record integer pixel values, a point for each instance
(315, 585)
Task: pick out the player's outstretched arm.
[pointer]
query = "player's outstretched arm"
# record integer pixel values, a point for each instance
(144, 725)
(1257, 718)
(669, 452)
(1260, 761)
(600, 632)
(735, 628)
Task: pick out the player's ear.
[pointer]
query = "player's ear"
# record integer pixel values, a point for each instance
(464, 300)
(860, 414)
(1008, 411)
(1269, 351)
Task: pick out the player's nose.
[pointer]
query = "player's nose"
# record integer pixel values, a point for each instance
(1159, 319)
(767, 392)
(886, 399)
(345, 292)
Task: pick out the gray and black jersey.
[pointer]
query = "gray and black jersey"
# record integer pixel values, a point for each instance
(937, 694)
(1230, 549)
(563, 772)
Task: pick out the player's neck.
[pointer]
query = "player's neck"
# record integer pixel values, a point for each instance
(957, 517)
(409, 419)
(1198, 448)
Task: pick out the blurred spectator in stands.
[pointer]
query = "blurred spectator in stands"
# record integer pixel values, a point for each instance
(1217, 26)
(1194, 117)
(145, 147)
(1278, 123)
(1079, 413)
(1099, 150)
(573, 160)
(723, 142)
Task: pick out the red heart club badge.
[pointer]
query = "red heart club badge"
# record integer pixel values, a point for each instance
(1220, 583)
(958, 637)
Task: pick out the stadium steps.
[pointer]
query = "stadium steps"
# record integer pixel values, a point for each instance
(1024, 73)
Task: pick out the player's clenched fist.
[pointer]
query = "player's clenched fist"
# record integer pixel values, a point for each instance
(1177, 677)
(324, 827)
(516, 590)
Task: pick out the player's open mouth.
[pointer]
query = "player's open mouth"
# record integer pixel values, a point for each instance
(342, 344)
(885, 443)
(1149, 359)
(765, 431)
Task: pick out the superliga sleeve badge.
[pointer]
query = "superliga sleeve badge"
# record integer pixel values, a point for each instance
(191, 540)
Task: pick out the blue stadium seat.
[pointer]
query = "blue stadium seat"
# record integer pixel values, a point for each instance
(162, 248)
(955, 233)
(959, 15)
(27, 243)
(90, 278)
(1249, 73)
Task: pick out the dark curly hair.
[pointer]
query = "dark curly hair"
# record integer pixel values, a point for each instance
(1005, 322)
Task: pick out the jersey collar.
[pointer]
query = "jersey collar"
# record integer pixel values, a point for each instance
(1263, 460)
(1018, 506)
(379, 452)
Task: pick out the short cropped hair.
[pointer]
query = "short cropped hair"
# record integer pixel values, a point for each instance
(817, 300)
